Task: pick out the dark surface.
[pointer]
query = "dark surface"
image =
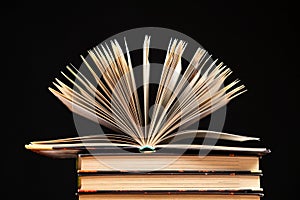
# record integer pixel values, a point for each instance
(251, 38)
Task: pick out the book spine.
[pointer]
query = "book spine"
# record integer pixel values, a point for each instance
(78, 162)
(78, 168)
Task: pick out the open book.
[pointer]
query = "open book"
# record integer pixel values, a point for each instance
(182, 98)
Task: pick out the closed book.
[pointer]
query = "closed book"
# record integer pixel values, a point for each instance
(167, 162)
(169, 195)
(169, 181)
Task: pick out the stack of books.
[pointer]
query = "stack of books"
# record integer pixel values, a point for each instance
(227, 175)
(106, 92)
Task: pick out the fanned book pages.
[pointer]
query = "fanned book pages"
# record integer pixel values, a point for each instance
(114, 102)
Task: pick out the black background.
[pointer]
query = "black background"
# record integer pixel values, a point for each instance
(251, 38)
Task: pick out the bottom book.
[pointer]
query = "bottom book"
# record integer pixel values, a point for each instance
(180, 195)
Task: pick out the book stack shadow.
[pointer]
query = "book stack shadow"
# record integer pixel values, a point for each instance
(225, 175)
